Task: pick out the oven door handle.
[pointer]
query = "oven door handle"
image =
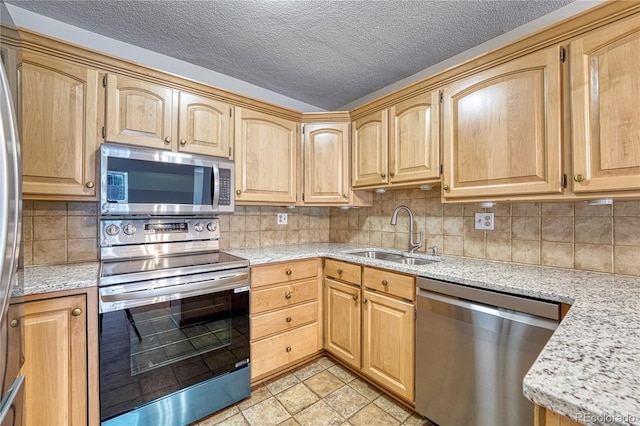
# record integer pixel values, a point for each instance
(179, 291)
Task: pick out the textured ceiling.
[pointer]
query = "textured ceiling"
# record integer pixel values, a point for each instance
(324, 53)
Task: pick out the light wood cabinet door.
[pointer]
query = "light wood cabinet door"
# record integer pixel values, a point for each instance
(265, 154)
(605, 100)
(388, 342)
(59, 113)
(414, 143)
(55, 364)
(502, 132)
(342, 321)
(140, 113)
(204, 126)
(370, 146)
(326, 163)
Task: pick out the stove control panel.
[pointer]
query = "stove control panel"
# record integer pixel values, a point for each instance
(116, 232)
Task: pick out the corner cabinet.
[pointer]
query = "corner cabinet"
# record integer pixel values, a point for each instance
(605, 100)
(55, 367)
(398, 145)
(59, 135)
(155, 116)
(502, 130)
(265, 154)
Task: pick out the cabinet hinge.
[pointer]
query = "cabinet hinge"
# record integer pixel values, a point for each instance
(104, 132)
(303, 129)
(303, 196)
(562, 54)
(564, 180)
(441, 97)
(229, 151)
(441, 168)
(104, 81)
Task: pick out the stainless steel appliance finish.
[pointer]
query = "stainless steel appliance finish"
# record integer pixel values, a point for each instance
(473, 348)
(174, 321)
(142, 181)
(11, 398)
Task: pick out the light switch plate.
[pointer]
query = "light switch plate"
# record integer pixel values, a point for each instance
(282, 219)
(484, 221)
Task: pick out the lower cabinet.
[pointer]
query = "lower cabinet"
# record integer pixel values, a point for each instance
(55, 364)
(370, 323)
(284, 316)
(545, 417)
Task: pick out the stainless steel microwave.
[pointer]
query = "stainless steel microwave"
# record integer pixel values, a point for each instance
(142, 181)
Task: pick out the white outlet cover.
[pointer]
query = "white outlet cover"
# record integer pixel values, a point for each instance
(484, 221)
(282, 218)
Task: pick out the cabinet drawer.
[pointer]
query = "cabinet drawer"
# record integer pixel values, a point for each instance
(283, 272)
(342, 271)
(283, 320)
(284, 295)
(282, 349)
(390, 283)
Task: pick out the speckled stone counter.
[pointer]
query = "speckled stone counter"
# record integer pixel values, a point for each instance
(49, 278)
(590, 368)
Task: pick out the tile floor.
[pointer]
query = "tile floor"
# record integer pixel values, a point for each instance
(319, 393)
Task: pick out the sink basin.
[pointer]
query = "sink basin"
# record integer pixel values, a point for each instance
(393, 257)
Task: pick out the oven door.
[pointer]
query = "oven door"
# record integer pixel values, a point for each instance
(173, 358)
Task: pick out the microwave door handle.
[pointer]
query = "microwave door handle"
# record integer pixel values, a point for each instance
(215, 186)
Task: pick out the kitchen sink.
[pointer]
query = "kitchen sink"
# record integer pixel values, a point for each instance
(393, 257)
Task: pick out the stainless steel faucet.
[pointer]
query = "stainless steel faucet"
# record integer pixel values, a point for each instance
(394, 219)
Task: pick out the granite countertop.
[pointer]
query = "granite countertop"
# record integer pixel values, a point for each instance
(588, 371)
(590, 368)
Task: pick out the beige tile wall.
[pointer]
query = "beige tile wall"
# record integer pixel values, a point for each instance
(61, 232)
(568, 235)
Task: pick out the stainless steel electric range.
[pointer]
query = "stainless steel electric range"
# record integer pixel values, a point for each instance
(174, 321)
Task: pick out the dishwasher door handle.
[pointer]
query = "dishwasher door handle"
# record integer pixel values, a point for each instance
(492, 310)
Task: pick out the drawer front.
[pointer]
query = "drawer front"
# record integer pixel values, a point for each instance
(282, 349)
(283, 272)
(390, 283)
(268, 299)
(283, 320)
(342, 271)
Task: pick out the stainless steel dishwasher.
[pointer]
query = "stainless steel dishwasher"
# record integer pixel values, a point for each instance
(473, 348)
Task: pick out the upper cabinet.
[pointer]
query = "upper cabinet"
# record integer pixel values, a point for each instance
(502, 130)
(155, 116)
(325, 149)
(605, 105)
(398, 145)
(265, 154)
(59, 115)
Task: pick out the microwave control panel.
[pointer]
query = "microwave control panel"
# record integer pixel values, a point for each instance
(225, 195)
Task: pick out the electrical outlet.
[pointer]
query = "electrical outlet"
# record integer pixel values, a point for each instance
(282, 219)
(484, 221)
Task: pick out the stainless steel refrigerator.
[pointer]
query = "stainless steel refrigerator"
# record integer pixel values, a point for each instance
(12, 398)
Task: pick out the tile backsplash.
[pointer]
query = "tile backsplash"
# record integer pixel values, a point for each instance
(568, 235)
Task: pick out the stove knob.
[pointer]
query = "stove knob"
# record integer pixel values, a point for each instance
(129, 229)
(112, 230)
(212, 226)
(199, 227)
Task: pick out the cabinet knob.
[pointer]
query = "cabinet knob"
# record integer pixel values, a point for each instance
(76, 312)
(345, 196)
(339, 271)
(578, 178)
(238, 192)
(183, 142)
(89, 184)
(14, 323)
(288, 349)
(392, 174)
(287, 295)
(385, 283)
(288, 319)
(355, 297)
(167, 140)
(383, 175)
(364, 301)
(445, 187)
(287, 271)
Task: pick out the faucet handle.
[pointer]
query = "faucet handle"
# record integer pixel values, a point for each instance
(434, 250)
